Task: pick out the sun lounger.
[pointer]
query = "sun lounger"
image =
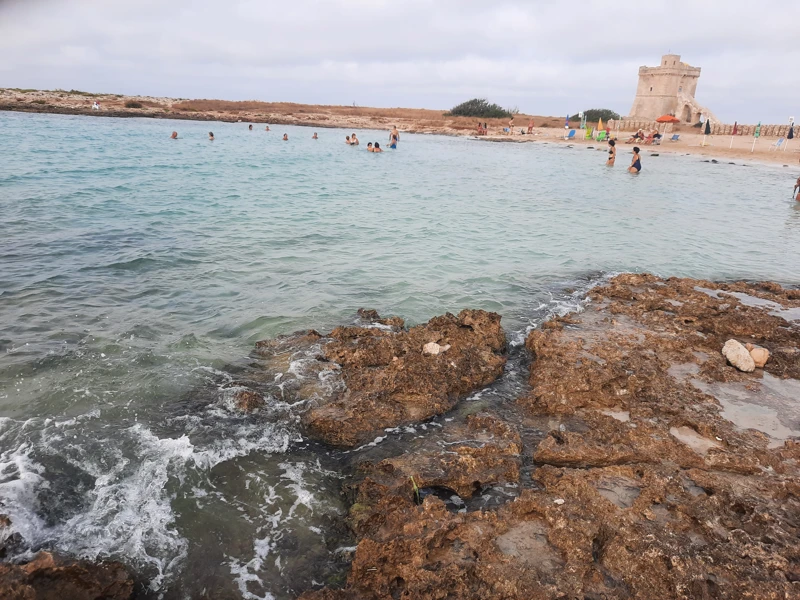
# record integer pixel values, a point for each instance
(777, 145)
(601, 137)
(675, 137)
(571, 135)
(589, 132)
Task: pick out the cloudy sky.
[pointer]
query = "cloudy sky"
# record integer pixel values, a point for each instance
(543, 56)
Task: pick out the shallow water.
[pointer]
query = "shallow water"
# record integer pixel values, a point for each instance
(136, 273)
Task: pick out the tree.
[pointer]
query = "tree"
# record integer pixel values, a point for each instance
(479, 107)
(593, 114)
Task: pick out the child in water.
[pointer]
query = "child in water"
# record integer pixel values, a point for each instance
(211, 136)
(369, 147)
(377, 148)
(285, 137)
(314, 137)
(636, 163)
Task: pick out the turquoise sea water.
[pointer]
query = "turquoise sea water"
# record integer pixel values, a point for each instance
(135, 269)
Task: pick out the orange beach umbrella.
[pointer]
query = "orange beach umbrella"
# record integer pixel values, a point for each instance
(668, 119)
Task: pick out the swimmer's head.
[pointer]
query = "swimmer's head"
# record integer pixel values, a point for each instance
(369, 145)
(347, 137)
(211, 134)
(377, 145)
(174, 135)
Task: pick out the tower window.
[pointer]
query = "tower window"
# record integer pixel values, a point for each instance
(651, 89)
(680, 89)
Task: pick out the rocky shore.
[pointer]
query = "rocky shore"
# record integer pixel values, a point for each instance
(638, 463)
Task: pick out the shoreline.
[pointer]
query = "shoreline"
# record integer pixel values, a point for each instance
(762, 156)
(624, 464)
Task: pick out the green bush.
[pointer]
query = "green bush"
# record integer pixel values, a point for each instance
(479, 107)
(593, 114)
(133, 104)
(38, 102)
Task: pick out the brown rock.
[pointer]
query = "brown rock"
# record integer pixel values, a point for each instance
(48, 577)
(641, 489)
(390, 382)
(760, 356)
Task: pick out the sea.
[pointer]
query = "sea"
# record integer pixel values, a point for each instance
(137, 272)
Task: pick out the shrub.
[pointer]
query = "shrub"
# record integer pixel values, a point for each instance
(133, 104)
(593, 114)
(38, 102)
(479, 107)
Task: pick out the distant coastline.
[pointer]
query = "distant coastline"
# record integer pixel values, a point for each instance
(410, 120)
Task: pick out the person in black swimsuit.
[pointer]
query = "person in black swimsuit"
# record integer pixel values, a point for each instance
(636, 163)
(612, 153)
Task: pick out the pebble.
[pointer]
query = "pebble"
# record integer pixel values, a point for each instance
(738, 356)
(434, 348)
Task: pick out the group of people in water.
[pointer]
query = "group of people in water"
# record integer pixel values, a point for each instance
(351, 140)
(636, 162)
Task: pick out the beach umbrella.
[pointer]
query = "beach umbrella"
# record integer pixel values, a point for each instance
(789, 136)
(599, 125)
(756, 135)
(734, 132)
(706, 131)
(668, 119)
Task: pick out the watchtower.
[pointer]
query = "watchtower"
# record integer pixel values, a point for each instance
(668, 89)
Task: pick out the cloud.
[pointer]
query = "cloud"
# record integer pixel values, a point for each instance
(541, 56)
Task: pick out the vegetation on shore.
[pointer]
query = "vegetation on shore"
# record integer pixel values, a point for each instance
(480, 107)
(593, 114)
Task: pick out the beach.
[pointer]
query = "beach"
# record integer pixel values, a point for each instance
(550, 129)
(532, 400)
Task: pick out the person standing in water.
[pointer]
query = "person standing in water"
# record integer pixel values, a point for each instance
(314, 137)
(612, 153)
(636, 163)
(210, 136)
(347, 140)
(250, 127)
(285, 137)
(377, 148)
(354, 140)
(266, 128)
(394, 137)
(369, 147)
(796, 191)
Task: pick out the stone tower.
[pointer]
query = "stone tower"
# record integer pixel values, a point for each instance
(669, 89)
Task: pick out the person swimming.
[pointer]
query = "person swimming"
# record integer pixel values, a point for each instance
(347, 140)
(636, 163)
(354, 140)
(211, 136)
(250, 127)
(314, 137)
(174, 135)
(369, 147)
(612, 153)
(266, 128)
(285, 137)
(377, 148)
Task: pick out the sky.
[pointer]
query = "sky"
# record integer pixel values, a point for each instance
(541, 56)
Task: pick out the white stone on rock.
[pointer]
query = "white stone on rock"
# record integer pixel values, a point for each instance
(434, 348)
(738, 356)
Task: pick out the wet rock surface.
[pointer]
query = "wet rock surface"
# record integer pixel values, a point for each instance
(390, 380)
(639, 485)
(49, 577)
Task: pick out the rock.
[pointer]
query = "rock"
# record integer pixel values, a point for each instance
(738, 356)
(652, 506)
(760, 356)
(248, 400)
(434, 348)
(49, 577)
(390, 382)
